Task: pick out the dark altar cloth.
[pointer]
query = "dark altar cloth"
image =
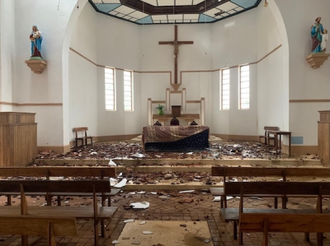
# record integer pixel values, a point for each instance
(187, 138)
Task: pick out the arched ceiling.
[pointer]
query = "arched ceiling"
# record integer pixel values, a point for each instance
(172, 11)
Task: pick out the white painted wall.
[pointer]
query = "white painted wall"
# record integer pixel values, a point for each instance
(128, 46)
(235, 43)
(305, 82)
(272, 87)
(108, 41)
(7, 52)
(52, 18)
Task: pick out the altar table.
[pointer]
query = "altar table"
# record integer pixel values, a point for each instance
(175, 138)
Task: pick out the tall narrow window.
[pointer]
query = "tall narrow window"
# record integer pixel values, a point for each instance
(244, 87)
(128, 91)
(110, 89)
(225, 90)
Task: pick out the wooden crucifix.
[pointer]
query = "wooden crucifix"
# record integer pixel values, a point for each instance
(176, 44)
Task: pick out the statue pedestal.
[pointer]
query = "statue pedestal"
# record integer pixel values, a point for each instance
(317, 59)
(36, 65)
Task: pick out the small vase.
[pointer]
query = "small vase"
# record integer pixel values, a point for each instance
(160, 112)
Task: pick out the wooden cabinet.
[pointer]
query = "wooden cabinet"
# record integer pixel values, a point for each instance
(324, 137)
(185, 119)
(18, 138)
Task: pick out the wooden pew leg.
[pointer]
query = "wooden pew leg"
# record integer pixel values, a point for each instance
(235, 230)
(51, 238)
(284, 201)
(102, 229)
(265, 234)
(25, 240)
(58, 200)
(319, 239)
(307, 237)
(96, 232)
(275, 202)
(8, 200)
(240, 239)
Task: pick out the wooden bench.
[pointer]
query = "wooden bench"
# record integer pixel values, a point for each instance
(31, 225)
(267, 137)
(283, 222)
(96, 213)
(48, 173)
(280, 173)
(82, 136)
(276, 189)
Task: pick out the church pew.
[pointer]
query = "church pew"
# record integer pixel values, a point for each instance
(283, 222)
(269, 189)
(96, 213)
(51, 173)
(33, 225)
(282, 173)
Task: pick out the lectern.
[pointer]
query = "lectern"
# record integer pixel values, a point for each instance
(18, 138)
(324, 137)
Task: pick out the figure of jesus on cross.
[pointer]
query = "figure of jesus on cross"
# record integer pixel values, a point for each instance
(176, 44)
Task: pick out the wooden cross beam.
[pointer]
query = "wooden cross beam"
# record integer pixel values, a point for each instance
(176, 44)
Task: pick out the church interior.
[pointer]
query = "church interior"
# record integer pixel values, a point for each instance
(123, 122)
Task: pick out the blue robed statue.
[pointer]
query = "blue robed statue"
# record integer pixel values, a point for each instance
(317, 33)
(36, 40)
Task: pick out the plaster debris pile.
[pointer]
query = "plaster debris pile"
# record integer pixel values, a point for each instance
(113, 151)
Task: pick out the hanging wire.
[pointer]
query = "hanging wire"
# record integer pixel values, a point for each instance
(58, 5)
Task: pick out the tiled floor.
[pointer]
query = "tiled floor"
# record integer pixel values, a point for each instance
(183, 207)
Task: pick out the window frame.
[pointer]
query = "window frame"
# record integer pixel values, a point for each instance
(108, 97)
(131, 86)
(222, 76)
(244, 79)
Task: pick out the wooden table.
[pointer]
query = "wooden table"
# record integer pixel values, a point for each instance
(278, 140)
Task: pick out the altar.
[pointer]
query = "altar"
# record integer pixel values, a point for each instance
(175, 138)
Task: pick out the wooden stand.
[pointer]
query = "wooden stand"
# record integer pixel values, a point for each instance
(36, 65)
(324, 137)
(176, 110)
(18, 138)
(317, 59)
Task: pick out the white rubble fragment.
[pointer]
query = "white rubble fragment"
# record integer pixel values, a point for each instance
(153, 193)
(56, 178)
(140, 205)
(129, 221)
(207, 240)
(115, 242)
(147, 232)
(121, 184)
(217, 199)
(112, 163)
(138, 155)
(141, 192)
(142, 222)
(113, 181)
(186, 191)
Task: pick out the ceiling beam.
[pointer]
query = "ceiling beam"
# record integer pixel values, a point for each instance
(167, 10)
